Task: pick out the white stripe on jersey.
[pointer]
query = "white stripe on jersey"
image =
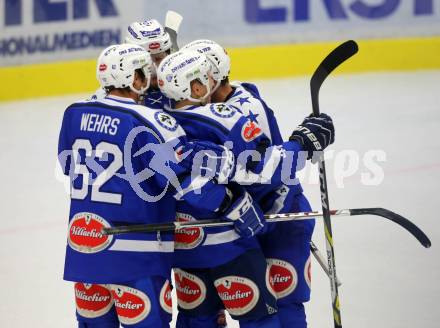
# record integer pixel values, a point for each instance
(221, 237)
(142, 246)
(211, 111)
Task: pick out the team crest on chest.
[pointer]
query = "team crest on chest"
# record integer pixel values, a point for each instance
(222, 110)
(166, 121)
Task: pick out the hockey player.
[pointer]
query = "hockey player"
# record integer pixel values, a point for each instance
(287, 246)
(151, 35)
(122, 162)
(186, 77)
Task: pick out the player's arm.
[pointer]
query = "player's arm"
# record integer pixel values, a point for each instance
(231, 202)
(278, 163)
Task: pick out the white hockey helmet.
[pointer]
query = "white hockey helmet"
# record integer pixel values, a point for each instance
(176, 72)
(149, 34)
(117, 65)
(216, 54)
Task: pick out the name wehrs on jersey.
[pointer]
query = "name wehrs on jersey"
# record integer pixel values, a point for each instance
(99, 123)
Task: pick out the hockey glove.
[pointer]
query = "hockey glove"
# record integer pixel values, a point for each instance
(247, 216)
(314, 133)
(208, 159)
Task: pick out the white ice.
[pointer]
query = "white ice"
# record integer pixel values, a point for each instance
(389, 280)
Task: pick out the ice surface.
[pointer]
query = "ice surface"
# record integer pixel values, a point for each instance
(389, 280)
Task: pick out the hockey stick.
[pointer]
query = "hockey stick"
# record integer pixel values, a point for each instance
(376, 211)
(333, 60)
(321, 261)
(172, 24)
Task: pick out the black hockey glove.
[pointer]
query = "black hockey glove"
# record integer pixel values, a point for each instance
(314, 133)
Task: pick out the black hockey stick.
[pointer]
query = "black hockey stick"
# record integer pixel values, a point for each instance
(321, 261)
(270, 218)
(333, 60)
(172, 25)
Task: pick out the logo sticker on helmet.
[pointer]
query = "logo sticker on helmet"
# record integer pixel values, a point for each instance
(102, 67)
(166, 301)
(190, 290)
(133, 33)
(282, 277)
(92, 300)
(153, 33)
(166, 121)
(85, 233)
(132, 305)
(239, 294)
(154, 45)
(250, 131)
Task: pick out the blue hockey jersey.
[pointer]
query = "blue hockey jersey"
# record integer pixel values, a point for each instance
(246, 99)
(122, 164)
(156, 99)
(224, 124)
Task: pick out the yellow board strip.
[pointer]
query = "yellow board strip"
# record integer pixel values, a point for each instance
(302, 59)
(262, 62)
(51, 79)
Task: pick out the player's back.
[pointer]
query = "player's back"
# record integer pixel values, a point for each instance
(102, 148)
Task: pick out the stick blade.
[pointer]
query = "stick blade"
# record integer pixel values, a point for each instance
(172, 25)
(339, 55)
(396, 218)
(173, 20)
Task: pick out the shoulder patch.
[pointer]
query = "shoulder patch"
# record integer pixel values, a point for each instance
(166, 121)
(250, 131)
(222, 110)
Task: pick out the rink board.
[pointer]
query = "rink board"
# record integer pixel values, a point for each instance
(258, 62)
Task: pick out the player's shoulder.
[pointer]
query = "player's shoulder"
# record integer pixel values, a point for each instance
(155, 119)
(217, 113)
(244, 94)
(164, 123)
(246, 87)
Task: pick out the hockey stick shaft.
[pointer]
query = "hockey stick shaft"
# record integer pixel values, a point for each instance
(321, 261)
(333, 60)
(270, 218)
